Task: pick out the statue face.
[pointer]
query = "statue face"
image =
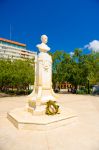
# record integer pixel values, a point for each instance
(44, 39)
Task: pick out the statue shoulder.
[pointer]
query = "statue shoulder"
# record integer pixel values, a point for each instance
(43, 47)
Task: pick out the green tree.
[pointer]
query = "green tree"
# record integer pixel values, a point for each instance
(16, 73)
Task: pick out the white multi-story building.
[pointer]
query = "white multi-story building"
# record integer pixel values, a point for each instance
(14, 50)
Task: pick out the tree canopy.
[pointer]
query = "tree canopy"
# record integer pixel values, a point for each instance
(77, 69)
(16, 73)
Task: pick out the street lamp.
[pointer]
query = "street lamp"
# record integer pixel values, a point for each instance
(88, 87)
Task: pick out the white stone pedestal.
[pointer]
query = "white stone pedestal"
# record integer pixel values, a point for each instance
(22, 119)
(43, 91)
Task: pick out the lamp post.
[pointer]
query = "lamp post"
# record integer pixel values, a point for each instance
(88, 87)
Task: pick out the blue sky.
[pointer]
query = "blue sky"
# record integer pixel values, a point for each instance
(69, 24)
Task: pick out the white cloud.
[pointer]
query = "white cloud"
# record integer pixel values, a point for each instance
(86, 46)
(71, 53)
(94, 46)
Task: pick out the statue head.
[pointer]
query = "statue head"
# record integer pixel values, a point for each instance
(44, 39)
(43, 46)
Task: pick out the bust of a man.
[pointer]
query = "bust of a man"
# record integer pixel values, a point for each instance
(43, 46)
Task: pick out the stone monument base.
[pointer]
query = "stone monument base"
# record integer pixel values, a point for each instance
(22, 119)
(40, 110)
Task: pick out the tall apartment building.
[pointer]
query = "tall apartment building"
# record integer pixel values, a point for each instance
(14, 50)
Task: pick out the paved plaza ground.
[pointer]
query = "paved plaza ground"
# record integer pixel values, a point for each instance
(82, 134)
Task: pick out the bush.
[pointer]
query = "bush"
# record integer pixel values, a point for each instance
(11, 92)
(83, 90)
(29, 91)
(19, 92)
(80, 92)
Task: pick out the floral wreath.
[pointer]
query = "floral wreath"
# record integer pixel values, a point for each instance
(52, 108)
